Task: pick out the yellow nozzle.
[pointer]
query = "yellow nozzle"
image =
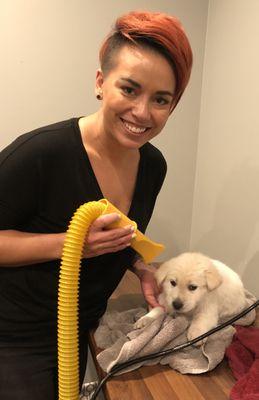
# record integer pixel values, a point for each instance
(141, 243)
(68, 291)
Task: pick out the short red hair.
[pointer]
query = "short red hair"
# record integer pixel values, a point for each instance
(157, 31)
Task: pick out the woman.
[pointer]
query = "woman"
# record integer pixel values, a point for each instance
(45, 175)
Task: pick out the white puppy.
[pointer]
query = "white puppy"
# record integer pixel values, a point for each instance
(202, 289)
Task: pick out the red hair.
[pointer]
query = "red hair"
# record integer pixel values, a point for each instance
(158, 31)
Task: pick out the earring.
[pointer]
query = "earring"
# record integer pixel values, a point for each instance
(99, 95)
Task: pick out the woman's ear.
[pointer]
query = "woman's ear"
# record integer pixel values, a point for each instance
(98, 82)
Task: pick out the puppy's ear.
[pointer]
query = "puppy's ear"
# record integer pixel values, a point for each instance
(161, 273)
(213, 278)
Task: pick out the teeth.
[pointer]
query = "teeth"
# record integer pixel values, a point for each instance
(133, 128)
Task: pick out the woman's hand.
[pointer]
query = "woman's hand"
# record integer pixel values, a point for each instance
(101, 240)
(149, 286)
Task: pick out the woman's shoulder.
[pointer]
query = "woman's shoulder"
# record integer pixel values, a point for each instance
(46, 139)
(153, 155)
(43, 135)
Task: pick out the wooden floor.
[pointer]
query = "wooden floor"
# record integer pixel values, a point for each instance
(161, 382)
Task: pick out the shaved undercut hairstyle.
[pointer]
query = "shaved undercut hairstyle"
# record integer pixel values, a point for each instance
(158, 32)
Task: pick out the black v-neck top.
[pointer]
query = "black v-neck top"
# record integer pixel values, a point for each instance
(45, 175)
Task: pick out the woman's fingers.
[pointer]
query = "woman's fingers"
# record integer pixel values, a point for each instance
(101, 239)
(109, 245)
(121, 241)
(104, 248)
(99, 229)
(104, 221)
(109, 235)
(101, 250)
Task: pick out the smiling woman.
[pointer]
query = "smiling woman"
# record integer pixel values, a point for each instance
(45, 175)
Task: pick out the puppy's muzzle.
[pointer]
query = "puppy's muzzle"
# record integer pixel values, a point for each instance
(177, 304)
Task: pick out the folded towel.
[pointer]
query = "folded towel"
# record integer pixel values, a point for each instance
(243, 358)
(122, 343)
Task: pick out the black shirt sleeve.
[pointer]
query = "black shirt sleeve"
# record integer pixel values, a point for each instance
(18, 183)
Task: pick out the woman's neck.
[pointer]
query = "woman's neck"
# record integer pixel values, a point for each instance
(99, 144)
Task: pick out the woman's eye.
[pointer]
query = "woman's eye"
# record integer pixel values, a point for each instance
(192, 287)
(128, 90)
(162, 101)
(173, 282)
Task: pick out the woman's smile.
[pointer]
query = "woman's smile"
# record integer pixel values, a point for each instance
(134, 128)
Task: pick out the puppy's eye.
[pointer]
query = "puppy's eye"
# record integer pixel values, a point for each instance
(192, 287)
(173, 283)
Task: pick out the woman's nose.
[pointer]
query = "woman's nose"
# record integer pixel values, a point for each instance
(141, 110)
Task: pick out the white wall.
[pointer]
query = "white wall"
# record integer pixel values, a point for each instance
(171, 222)
(226, 212)
(50, 54)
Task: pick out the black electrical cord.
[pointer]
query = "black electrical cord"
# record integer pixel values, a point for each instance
(118, 367)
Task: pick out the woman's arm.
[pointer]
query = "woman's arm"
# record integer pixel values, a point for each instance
(23, 248)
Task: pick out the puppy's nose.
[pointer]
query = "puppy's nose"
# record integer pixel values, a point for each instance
(177, 304)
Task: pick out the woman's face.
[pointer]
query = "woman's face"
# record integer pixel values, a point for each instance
(138, 93)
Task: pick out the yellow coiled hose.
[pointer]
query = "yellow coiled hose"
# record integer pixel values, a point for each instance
(68, 293)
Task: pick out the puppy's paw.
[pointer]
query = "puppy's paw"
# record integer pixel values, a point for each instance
(143, 322)
(193, 333)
